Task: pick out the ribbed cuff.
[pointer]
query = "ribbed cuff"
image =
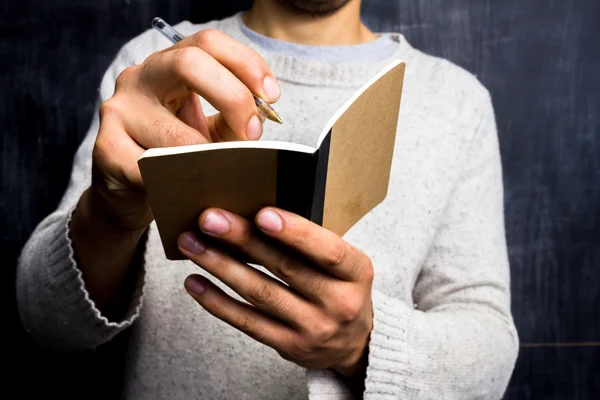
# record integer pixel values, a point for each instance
(394, 352)
(87, 327)
(327, 385)
(393, 358)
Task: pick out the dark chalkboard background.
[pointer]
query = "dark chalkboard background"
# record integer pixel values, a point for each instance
(539, 58)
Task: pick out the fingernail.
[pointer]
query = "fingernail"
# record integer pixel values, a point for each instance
(195, 285)
(215, 223)
(271, 88)
(270, 221)
(255, 128)
(189, 242)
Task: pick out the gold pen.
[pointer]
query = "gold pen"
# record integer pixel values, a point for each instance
(170, 33)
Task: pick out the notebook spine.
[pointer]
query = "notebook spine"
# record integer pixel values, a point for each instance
(295, 181)
(320, 181)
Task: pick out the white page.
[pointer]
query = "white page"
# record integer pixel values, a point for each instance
(278, 145)
(250, 144)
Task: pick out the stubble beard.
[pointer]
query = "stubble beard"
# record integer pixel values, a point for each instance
(315, 7)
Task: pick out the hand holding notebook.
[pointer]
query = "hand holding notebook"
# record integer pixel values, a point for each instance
(156, 104)
(334, 184)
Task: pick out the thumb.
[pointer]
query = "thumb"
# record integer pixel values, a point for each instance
(220, 131)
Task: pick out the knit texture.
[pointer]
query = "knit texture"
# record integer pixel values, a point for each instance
(441, 301)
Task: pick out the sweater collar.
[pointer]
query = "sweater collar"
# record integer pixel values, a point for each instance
(311, 72)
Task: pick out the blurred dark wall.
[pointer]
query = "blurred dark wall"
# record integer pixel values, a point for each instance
(539, 58)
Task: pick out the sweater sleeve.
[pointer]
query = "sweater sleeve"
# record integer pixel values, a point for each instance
(54, 305)
(459, 341)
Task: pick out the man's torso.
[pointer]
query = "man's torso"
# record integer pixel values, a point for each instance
(178, 350)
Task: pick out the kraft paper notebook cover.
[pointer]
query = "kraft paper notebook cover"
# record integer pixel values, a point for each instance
(334, 184)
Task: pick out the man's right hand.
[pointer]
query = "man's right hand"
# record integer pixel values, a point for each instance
(156, 104)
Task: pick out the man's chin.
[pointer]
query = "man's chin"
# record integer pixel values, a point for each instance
(316, 7)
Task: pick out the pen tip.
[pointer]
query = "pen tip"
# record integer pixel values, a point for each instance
(273, 116)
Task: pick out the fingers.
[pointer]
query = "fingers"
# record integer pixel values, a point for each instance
(156, 104)
(121, 141)
(220, 131)
(245, 63)
(115, 152)
(238, 314)
(323, 247)
(157, 127)
(241, 234)
(265, 293)
(167, 76)
(242, 61)
(210, 64)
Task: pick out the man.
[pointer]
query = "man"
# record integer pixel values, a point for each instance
(413, 302)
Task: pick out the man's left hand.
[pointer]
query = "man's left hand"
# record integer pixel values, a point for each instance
(321, 319)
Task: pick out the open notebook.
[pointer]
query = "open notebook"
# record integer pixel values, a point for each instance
(334, 184)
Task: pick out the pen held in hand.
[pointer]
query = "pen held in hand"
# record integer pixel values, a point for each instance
(170, 33)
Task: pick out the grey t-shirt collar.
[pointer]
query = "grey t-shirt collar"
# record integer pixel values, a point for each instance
(380, 49)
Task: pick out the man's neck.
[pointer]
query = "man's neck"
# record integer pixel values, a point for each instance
(343, 27)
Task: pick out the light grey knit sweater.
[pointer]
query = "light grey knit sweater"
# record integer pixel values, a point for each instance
(442, 322)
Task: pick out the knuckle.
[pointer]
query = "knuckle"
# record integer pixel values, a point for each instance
(110, 107)
(263, 294)
(316, 285)
(248, 324)
(368, 272)
(253, 64)
(299, 348)
(324, 331)
(206, 37)
(149, 63)
(241, 97)
(285, 266)
(336, 254)
(185, 58)
(256, 62)
(349, 310)
(125, 76)
(249, 59)
(301, 237)
(247, 239)
(221, 264)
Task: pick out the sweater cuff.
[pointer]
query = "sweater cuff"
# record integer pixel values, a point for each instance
(327, 385)
(390, 369)
(394, 354)
(87, 326)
